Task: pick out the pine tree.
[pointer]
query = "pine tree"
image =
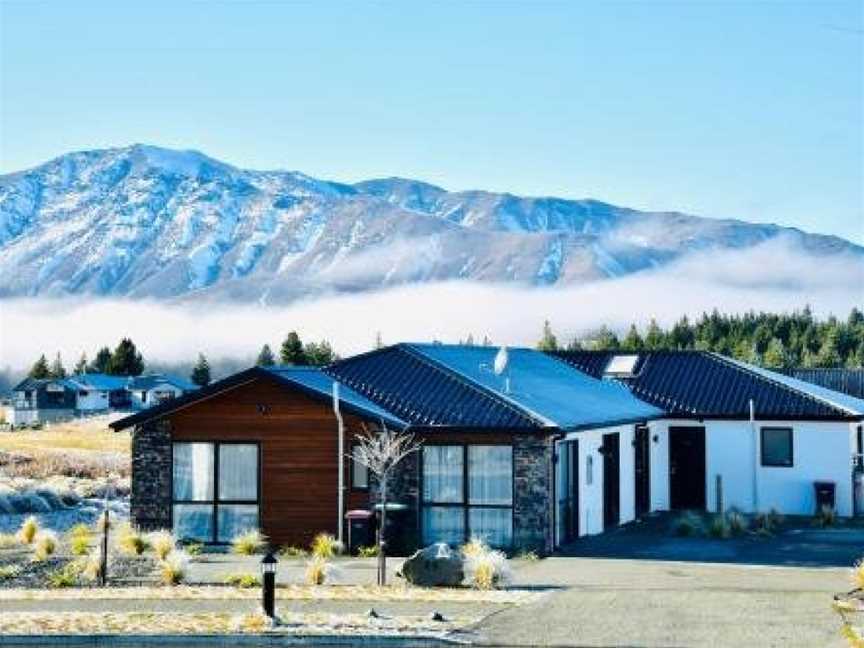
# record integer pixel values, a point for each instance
(632, 341)
(81, 365)
(605, 340)
(126, 360)
(379, 342)
(57, 369)
(469, 341)
(201, 372)
(486, 341)
(775, 356)
(40, 368)
(320, 354)
(102, 361)
(292, 352)
(266, 357)
(548, 341)
(654, 337)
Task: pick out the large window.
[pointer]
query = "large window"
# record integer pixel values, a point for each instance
(359, 472)
(777, 446)
(468, 491)
(215, 490)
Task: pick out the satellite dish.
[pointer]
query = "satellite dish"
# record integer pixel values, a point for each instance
(501, 360)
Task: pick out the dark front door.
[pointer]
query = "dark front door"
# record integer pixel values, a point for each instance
(611, 481)
(568, 498)
(642, 471)
(687, 468)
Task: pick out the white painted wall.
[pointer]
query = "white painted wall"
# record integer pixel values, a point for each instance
(139, 402)
(95, 400)
(822, 451)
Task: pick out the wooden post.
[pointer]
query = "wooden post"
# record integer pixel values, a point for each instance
(104, 565)
(719, 492)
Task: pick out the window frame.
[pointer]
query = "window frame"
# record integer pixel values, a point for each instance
(465, 504)
(217, 501)
(775, 428)
(351, 472)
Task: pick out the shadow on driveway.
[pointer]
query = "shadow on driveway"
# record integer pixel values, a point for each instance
(796, 544)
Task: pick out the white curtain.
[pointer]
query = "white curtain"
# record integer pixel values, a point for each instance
(193, 472)
(443, 474)
(444, 524)
(238, 472)
(494, 525)
(490, 475)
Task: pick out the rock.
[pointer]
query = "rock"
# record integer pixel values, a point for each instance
(437, 616)
(434, 566)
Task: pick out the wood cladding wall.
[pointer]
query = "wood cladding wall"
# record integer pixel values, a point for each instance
(299, 453)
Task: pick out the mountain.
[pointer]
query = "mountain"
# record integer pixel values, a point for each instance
(143, 221)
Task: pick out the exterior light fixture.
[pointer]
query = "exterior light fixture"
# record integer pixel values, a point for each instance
(268, 571)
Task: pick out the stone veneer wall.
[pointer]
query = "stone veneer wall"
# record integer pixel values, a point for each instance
(150, 502)
(533, 478)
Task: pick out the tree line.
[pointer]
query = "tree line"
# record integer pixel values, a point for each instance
(778, 341)
(124, 360)
(294, 352)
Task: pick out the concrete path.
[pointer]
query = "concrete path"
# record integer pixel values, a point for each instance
(668, 604)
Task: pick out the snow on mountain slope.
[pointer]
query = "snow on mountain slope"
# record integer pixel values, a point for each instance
(143, 221)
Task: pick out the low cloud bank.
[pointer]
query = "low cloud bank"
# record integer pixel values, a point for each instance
(770, 278)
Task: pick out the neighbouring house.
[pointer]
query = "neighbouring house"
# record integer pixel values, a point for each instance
(524, 448)
(53, 399)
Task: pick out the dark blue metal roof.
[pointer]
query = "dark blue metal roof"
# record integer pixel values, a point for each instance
(706, 385)
(848, 381)
(423, 392)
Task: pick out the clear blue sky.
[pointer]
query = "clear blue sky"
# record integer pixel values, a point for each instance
(750, 110)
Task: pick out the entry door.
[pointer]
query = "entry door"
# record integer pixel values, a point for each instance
(568, 495)
(642, 471)
(611, 481)
(687, 467)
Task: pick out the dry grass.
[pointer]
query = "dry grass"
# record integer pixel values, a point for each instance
(372, 593)
(172, 570)
(162, 543)
(325, 546)
(248, 543)
(92, 435)
(44, 545)
(148, 623)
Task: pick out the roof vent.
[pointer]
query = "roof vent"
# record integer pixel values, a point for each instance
(621, 366)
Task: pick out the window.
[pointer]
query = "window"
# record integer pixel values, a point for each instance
(776, 446)
(468, 491)
(621, 365)
(359, 472)
(215, 490)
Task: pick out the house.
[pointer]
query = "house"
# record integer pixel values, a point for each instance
(735, 435)
(524, 448)
(99, 392)
(37, 400)
(485, 468)
(152, 389)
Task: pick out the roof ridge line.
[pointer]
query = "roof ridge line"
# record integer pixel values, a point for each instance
(471, 384)
(745, 367)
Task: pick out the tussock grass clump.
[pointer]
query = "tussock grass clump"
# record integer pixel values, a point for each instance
(194, 548)
(368, 552)
(475, 546)
(173, 570)
(9, 571)
(131, 541)
(44, 545)
(318, 571)
(488, 570)
(252, 623)
(29, 529)
(325, 546)
(79, 545)
(80, 530)
(162, 543)
(687, 524)
(243, 581)
(91, 568)
(291, 551)
(248, 543)
(529, 556)
(858, 574)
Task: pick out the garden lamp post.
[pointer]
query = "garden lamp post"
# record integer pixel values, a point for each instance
(268, 571)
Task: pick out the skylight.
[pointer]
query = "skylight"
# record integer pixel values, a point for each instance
(621, 365)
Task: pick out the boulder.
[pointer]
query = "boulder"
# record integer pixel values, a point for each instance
(434, 566)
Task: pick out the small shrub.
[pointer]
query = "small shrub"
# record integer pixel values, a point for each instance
(325, 546)
(293, 552)
(687, 524)
(131, 541)
(368, 552)
(248, 543)
(66, 576)
(8, 540)
(719, 527)
(737, 522)
(162, 543)
(80, 530)
(172, 570)
(529, 556)
(252, 622)
(826, 517)
(194, 548)
(243, 581)
(318, 570)
(79, 545)
(29, 529)
(9, 571)
(44, 545)
(488, 570)
(475, 546)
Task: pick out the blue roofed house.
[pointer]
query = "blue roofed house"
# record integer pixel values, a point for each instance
(36, 400)
(153, 389)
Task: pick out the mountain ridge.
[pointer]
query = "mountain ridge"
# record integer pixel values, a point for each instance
(145, 221)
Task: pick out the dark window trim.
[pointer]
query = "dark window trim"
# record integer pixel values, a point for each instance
(791, 462)
(217, 501)
(465, 504)
(353, 467)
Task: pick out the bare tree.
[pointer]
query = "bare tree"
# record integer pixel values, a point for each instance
(381, 450)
